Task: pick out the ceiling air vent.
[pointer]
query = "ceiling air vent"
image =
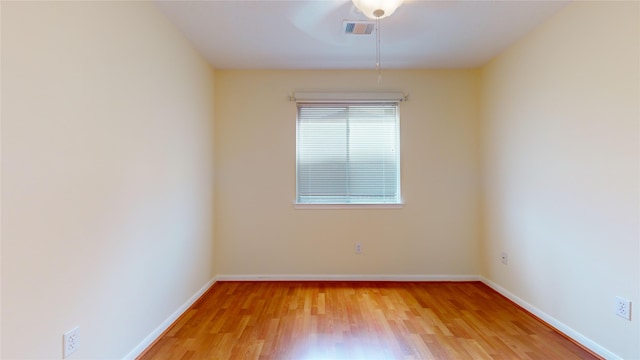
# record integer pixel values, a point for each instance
(356, 27)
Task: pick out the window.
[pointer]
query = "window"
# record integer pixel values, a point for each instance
(348, 153)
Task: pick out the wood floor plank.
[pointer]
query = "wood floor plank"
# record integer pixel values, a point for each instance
(359, 320)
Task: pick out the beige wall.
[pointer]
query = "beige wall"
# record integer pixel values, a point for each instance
(258, 230)
(107, 173)
(561, 165)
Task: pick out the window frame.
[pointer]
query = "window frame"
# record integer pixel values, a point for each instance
(399, 201)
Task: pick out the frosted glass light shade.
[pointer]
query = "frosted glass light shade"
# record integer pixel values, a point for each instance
(377, 9)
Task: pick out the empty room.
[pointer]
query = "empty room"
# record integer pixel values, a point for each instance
(320, 179)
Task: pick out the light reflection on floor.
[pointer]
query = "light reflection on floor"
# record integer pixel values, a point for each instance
(330, 347)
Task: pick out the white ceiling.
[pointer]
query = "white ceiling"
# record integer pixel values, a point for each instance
(303, 34)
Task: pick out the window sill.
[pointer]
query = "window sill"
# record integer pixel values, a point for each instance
(347, 206)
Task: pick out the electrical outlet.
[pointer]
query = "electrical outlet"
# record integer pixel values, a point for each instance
(70, 342)
(623, 308)
(504, 258)
(358, 248)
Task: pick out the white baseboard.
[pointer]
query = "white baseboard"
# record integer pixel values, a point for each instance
(566, 330)
(168, 322)
(344, 277)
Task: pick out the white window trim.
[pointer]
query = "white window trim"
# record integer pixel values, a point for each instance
(348, 97)
(301, 206)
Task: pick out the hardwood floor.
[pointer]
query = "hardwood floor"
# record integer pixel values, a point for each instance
(359, 320)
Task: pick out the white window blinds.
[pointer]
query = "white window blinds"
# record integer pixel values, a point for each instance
(348, 153)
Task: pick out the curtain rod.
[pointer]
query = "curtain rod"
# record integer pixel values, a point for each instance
(320, 96)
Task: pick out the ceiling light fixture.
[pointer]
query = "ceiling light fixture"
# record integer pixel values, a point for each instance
(377, 9)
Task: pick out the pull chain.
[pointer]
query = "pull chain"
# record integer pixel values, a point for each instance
(378, 50)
